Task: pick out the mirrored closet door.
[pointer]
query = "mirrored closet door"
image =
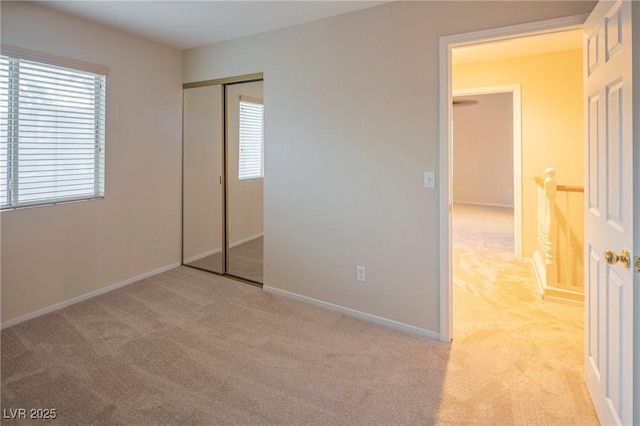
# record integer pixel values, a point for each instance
(245, 173)
(223, 172)
(202, 202)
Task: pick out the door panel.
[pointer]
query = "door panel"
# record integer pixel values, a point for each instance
(609, 211)
(593, 169)
(244, 196)
(202, 178)
(592, 344)
(613, 151)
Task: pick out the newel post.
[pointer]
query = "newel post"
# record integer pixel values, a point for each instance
(551, 261)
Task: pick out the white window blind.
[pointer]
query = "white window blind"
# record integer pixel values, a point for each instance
(251, 155)
(52, 133)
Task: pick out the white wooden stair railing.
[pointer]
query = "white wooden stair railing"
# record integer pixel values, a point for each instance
(545, 258)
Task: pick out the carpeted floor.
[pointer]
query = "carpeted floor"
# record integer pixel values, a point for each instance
(522, 356)
(190, 347)
(245, 261)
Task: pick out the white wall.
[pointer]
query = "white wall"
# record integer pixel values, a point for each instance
(351, 124)
(52, 254)
(483, 150)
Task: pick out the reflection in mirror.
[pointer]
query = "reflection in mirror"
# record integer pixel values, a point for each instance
(202, 178)
(245, 172)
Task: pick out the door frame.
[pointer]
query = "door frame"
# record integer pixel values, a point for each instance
(446, 44)
(223, 82)
(516, 107)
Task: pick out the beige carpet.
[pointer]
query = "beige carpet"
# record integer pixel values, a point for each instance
(521, 356)
(189, 347)
(245, 261)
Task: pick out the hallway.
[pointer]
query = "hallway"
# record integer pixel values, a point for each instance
(522, 357)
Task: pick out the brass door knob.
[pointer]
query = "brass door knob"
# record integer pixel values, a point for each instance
(612, 258)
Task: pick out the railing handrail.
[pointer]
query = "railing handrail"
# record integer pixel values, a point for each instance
(561, 188)
(569, 188)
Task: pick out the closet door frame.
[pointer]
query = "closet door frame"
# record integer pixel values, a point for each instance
(224, 82)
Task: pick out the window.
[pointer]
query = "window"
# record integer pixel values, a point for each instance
(251, 155)
(52, 132)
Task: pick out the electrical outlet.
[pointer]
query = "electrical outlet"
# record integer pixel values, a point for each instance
(361, 273)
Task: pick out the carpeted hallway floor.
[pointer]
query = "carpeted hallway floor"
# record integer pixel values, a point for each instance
(188, 347)
(523, 356)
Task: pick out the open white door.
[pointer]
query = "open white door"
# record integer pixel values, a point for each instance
(609, 214)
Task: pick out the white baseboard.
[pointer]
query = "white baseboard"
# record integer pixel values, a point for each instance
(473, 203)
(550, 293)
(357, 314)
(86, 296)
(245, 240)
(202, 255)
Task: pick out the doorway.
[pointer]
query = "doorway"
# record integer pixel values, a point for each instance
(494, 298)
(487, 124)
(447, 45)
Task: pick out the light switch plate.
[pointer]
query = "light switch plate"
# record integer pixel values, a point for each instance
(361, 273)
(429, 179)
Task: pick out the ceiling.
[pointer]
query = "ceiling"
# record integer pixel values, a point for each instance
(524, 46)
(187, 24)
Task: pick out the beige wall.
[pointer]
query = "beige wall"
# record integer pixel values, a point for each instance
(52, 254)
(552, 119)
(352, 124)
(202, 160)
(483, 150)
(245, 197)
